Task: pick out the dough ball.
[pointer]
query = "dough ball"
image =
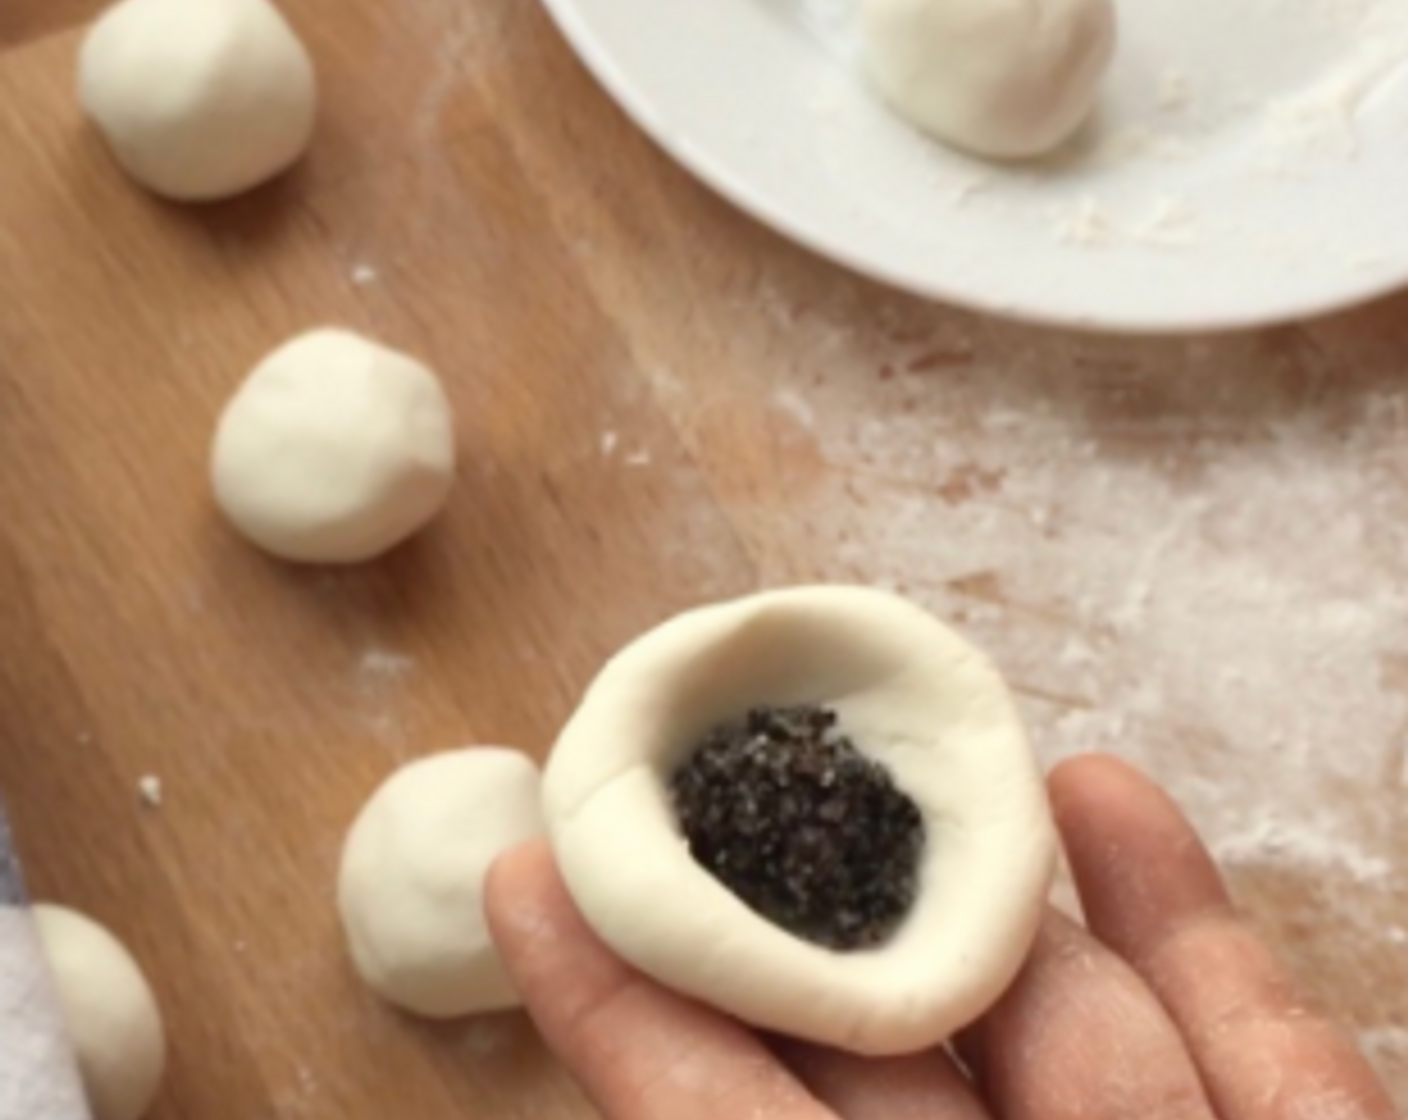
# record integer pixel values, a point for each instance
(198, 99)
(411, 884)
(334, 450)
(112, 1016)
(911, 695)
(1004, 78)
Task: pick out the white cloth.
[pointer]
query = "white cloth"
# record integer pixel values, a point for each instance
(38, 1080)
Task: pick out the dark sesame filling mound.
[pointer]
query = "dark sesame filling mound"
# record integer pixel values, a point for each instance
(783, 809)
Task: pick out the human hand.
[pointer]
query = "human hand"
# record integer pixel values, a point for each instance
(1168, 1008)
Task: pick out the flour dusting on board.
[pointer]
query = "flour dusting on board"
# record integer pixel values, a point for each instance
(1193, 555)
(385, 664)
(1298, 843)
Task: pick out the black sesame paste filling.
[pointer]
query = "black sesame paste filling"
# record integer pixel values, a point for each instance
(812, 834)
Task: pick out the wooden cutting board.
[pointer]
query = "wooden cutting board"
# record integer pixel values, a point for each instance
(1193, 552)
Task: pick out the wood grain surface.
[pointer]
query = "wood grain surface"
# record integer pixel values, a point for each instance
(1190, 551)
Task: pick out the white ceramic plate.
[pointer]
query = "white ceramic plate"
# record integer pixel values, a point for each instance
(1249, 162)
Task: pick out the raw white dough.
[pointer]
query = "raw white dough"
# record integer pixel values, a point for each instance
(911, 693)
(1004, 78)
(198, 99)
(334, 450)
(411, 885)
(112, 1017)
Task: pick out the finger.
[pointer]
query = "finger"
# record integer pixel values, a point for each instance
(1152, 893)
(640, 1051)
(926, 1086)
(1079, 1036)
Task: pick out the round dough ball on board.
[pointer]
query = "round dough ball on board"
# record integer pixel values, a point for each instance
(112, 1017)
(334, 450)
(198, 99)
(998, 78)
(410, 888)
(912, 696)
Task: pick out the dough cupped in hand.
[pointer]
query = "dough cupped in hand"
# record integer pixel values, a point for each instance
(198, 99)
(334, 450)
(1004, 78)
(911, 695)
(112, 1017)
(410, 888)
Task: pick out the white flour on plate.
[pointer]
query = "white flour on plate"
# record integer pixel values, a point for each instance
(1161, 109)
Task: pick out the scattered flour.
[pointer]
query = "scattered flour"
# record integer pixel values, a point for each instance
(379, 672)
(1301, 844)
(149, 791)
(1172, 222)
(1218, 126)
(1193, 554)
(1320, 124)
(295, 1096)
(385, 664)
(1087, 223)
(387, 729)
(486, 1037)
